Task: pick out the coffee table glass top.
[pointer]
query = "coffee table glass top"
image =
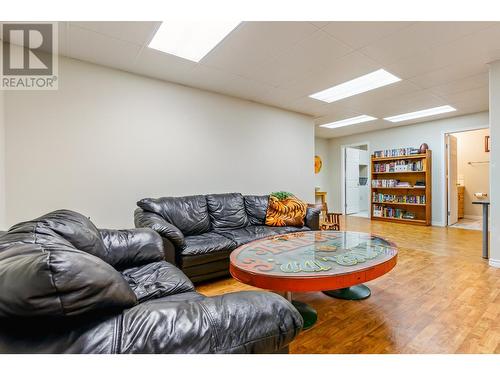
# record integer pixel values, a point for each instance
(315, 254)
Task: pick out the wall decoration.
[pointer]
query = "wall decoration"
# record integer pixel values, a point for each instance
(423, 148)
(487, 143)
(318, 163)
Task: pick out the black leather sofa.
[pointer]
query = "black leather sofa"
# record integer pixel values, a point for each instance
(68, 287)
(200, 231)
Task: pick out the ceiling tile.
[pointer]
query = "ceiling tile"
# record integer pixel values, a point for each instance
(320, 24)
(418, 38)
(469, 83)
(360, 34)
(336, 113)
(153, 63)
(97, 48)
(315, 53)
(470, 99)
(254, 43)
(456, 71)
(225, 83)
(395, 105)
(307, 106)
(367, 101)
(280, 97)
(338, 71)
(481, 46)
(137, 32)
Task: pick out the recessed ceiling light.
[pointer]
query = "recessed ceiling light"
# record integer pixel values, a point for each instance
(191, 40)
(422, 113)
(356, 86)
(348, 121)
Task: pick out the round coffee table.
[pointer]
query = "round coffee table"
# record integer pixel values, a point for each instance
(330, 261)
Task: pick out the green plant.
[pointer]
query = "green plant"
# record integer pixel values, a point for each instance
(281, 195)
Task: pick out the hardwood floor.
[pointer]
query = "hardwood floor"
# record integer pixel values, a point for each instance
(442, 297)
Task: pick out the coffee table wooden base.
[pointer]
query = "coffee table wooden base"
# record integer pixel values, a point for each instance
(353, 293)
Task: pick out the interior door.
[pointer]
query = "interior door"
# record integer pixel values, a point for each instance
(451, 177)
(351, 180)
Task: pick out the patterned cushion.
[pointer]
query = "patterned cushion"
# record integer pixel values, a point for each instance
(287, 211)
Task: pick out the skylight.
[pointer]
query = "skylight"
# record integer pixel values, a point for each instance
(422, 113)
(348, 121)
(191, 40)
(356, 86)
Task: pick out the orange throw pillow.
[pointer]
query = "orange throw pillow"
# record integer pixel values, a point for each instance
(284, 209)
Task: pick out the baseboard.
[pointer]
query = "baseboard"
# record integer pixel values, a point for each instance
(494, 263)
(473, 217)
(437, 224)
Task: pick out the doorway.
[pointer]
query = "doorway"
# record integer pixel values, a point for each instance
(355, 183)
(467, 177)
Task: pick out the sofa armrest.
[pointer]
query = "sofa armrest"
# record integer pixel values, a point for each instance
(132, 247)
(242, 322)
(145, 219)
(312, 218)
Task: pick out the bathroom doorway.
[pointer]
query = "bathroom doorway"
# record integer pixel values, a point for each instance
(467, 177)
(355, 182)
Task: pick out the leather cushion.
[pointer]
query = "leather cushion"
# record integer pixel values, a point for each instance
(207, 243)
(256, 207)
(75, 228)
(189, 214)
(155, 280)
(183, 297)
(244, 235)
(132, 247)
(145, 219)
(52, 278)
(227, 211)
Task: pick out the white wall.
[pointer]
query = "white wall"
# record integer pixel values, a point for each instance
(495, 163)
(2, 163)
(108, 138)
(431, 132)
(322, 179)
(470, 147)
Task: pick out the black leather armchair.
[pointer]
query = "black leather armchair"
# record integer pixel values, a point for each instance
(68, 287)
(200, 231)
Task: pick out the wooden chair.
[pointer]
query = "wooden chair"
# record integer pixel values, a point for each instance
(327, 220)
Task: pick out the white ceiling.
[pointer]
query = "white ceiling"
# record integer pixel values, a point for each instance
(281, 63)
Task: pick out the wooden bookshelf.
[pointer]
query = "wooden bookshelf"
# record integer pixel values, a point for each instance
(422, 211)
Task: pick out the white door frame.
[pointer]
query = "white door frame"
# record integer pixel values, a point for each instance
(342, 174)
(444, 161)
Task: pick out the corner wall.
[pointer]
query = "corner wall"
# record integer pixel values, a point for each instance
(108, 138)
(495, 164)
(406, 136)
(2, 163)
(322, 179)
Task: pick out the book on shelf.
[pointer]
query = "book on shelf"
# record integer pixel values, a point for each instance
(396, 152)
(384, 183)
(393, 198)
(403, 184)
(392, 213)
(399, 166)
